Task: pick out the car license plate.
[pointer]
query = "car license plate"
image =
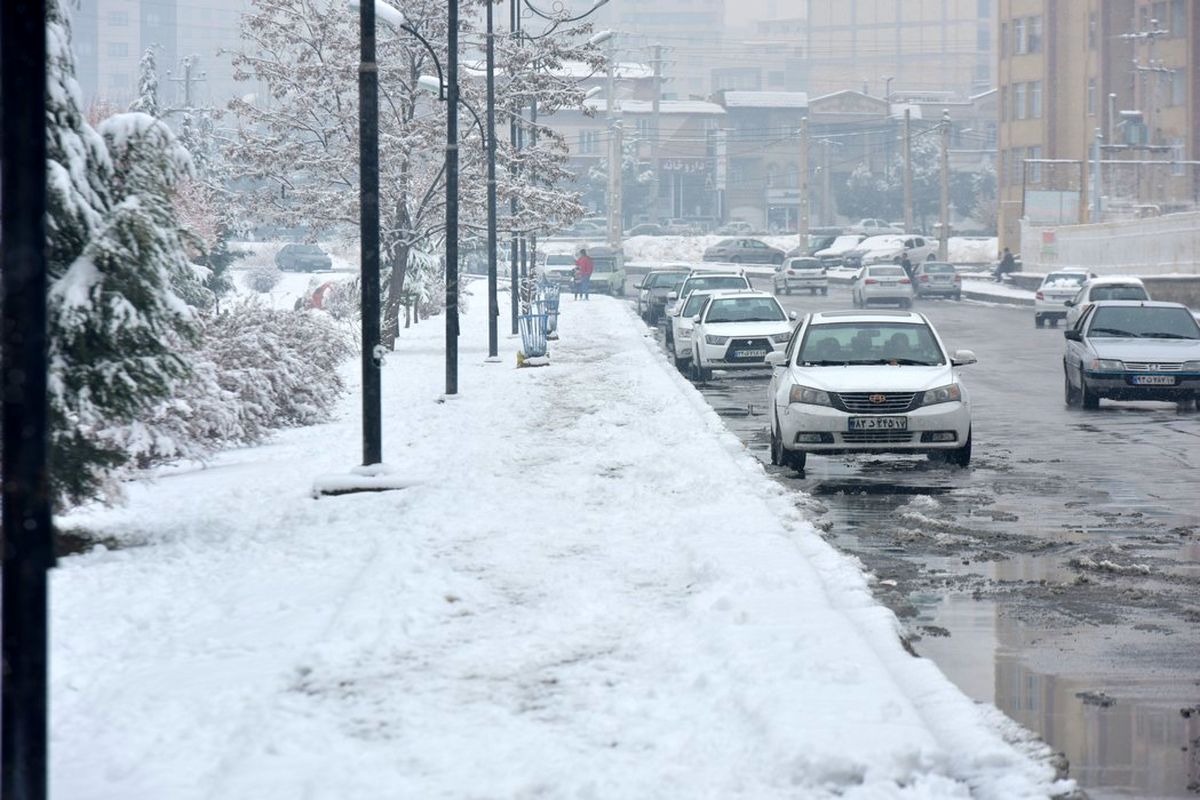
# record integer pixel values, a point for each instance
(887, 283)
(941, 278)
(749, 353)
(879, 423)
(1153, 380)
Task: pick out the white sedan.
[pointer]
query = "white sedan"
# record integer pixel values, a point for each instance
(679, 326)
(874, 382)
(882, 283)
(736, 331)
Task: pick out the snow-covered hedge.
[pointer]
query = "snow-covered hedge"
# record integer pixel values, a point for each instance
(263, 278)
(254, 370)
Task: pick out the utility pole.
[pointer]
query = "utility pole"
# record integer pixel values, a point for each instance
(616, 155)
(368, 228)
(514, 134)
(451, 197)
(803, 209)
(826, 185)
(187, 80)
(908, 199)
(493, 302)
(1097, 189)
(655, 103)
(944, 232)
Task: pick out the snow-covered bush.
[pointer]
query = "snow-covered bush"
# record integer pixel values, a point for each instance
(255, 370)
(263, 278)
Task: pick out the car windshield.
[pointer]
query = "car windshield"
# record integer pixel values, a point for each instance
(1130, 292)
(937, 268)
(727, 243)
(886, 272)
(695, 302)
(1144, 322)
(664, 279)
(718, 282)
(857, 343)
(559, 260)
(744, 309)
(1064, 280)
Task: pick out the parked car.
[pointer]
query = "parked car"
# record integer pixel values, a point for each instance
(646, 229)
(1111, 287)
(679, 328)
(653, 290)
(744, 251)
(882, 283)
(818, 239)
(585, 229)
(890, 249)
(1131, 350)
(874, 227)
(800, 273)
(702, 280)
(302, 258)
(608, 275)
(868, 382)
(834, 253)
(936, 279)
(1050, 300)
(736, 331)
(735, 227)
(559, 268)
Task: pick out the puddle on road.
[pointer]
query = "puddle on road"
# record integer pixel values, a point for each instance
(973, 552)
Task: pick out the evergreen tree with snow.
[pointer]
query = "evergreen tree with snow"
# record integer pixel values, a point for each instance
(147, 99)
(118, 276)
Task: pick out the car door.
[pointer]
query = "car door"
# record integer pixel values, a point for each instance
(779, 373)
(1076, 352)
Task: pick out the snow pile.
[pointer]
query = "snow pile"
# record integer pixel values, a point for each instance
(588, 589)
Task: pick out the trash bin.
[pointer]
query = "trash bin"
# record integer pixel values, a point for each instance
(533, 334)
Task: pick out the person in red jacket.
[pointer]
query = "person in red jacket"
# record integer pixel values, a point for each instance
(583, 270)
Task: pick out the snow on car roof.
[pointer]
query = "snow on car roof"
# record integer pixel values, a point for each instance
(1116, 280)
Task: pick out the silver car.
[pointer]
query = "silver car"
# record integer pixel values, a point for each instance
(1129, 350)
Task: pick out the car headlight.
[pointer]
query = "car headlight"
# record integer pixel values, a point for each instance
(781, 338)
(710, 339)
(1106, 365)
(810, 396)
(1191, 366)
(942, 394)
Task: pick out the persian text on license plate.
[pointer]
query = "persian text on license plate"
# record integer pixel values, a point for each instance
(1153, 380)
(879, 423)
(749, 353)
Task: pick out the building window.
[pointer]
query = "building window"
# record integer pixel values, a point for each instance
(1016, 166)
(119, 80)
(983, 38)
(1178, 19)
(588, 142)
(1178, 154)
(1091, 97)
(1004, 104)
(1178, 88)
(1019, 101)
(983, 9)
(1034, 34)
(1092, 30)
(1019, 42)
(645, 127)
(1035, 170)
(1159, 12)
(1004, 40)
(118, 19)
(1035, 99)
(118, 49)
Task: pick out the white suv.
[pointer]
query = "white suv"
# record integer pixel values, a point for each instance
(700, 279)
(876, 382)
(1110, 287)
(1058, 287)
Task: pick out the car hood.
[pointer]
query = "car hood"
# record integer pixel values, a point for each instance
(874, 378)
(737, 329)
(1151, 350)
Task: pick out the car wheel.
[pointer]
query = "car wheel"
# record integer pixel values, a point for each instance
(1054, 322)
(776, 448)
(1069, 393)
(906, 303)
(787, 289)
(824, 292)
(682, 364)
(1087, 398)
(796, 459)
(962, 456)
(1038, 321)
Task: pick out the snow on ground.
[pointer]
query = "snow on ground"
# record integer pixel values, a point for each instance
(291, 285)
(590, 590)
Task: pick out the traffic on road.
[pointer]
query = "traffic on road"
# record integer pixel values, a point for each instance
(1001, 516)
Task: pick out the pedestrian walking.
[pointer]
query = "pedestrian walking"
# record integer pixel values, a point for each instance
(907, 265)
(583, 268)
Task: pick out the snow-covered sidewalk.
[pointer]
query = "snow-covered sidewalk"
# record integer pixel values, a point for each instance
(591, 591)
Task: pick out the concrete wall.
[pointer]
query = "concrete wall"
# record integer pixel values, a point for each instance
(1168, 245)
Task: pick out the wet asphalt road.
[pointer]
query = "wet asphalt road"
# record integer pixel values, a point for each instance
(1059, 576)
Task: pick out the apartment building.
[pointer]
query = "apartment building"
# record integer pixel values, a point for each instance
(886, 46)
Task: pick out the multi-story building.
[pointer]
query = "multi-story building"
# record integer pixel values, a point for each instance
(1117, 76)
(683, 36)
(883, 46)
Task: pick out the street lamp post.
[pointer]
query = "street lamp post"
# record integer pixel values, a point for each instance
(490, 133)
(368, 194)
(452, 198)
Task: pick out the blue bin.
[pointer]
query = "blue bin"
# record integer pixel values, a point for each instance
(533, 334)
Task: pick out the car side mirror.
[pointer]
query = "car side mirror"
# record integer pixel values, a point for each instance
(961, 358)
(696, 320)
(672, 296)
(1072, 335)
(792, 315)
(776, 358)
(1069, 303)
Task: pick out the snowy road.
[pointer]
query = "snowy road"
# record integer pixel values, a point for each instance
(1062, 565)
